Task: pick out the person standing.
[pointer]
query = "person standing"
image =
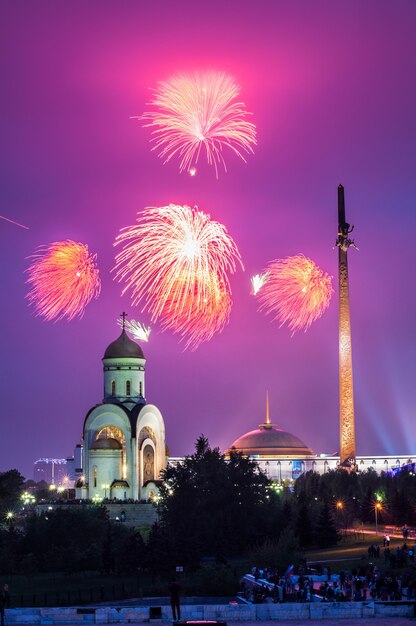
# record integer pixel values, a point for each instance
(4, 601)
(6, 593)
(175, 599)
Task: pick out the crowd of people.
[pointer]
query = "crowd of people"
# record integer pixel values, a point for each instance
(268, 585)
(360, 584)
(401, 556)
(364, 583)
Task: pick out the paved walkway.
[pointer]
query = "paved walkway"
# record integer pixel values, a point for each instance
(370, 621)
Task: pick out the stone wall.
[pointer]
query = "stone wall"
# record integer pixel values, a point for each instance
(227, 612)
(136, 514)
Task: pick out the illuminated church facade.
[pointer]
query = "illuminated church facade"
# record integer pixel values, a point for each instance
(124, 446)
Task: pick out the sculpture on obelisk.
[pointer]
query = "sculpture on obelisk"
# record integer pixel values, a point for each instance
(346, 391)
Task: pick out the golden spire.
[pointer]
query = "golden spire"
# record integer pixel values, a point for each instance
(267, 425)
(267, 407)
(347, 450)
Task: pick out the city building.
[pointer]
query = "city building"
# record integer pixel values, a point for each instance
(52, 471)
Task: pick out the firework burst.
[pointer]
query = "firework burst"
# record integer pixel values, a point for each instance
(257, 282)
(177, 260)
(63, 278)
(196, 111)
(137, 329)
(201, 318)
(296, 291)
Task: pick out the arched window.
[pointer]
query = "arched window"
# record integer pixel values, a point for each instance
(114, 432)
(148, 463)
(128, 388)
(141, 389)
(113, 387)
(111, 432)
(94, 476)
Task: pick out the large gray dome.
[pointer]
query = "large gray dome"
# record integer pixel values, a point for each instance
(124, 347)
(271, 442)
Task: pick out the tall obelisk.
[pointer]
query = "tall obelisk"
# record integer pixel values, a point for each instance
(346, 390)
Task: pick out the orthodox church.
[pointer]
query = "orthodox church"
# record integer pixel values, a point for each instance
(124, 446)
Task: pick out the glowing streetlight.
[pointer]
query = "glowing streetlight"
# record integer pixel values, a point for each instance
(378, 507)
(339, 506)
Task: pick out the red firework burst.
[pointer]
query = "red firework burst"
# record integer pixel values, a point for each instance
(63, 278)
(296, 291)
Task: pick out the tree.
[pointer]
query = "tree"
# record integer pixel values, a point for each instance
(11, 486)
(304, 527)
(212, 506)
(325, 530)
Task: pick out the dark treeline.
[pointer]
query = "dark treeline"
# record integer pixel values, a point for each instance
(358, 493)
(69, 540)
(210, 508)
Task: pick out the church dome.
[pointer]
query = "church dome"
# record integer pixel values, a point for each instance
(106, 443)
(124, 347)
(271, 442)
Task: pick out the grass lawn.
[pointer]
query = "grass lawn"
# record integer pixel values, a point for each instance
(352, 549)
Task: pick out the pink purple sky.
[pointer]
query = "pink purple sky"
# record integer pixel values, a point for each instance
(331, 85)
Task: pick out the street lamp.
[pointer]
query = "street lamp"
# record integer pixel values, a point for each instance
(340, 505)
(377, 507)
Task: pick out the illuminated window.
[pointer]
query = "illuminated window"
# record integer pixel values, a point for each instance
(296, 469)
(94, 476)
(113, 387)
(128, 387)
(111, 432)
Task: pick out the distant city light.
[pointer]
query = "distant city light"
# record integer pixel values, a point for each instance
(28, 498)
